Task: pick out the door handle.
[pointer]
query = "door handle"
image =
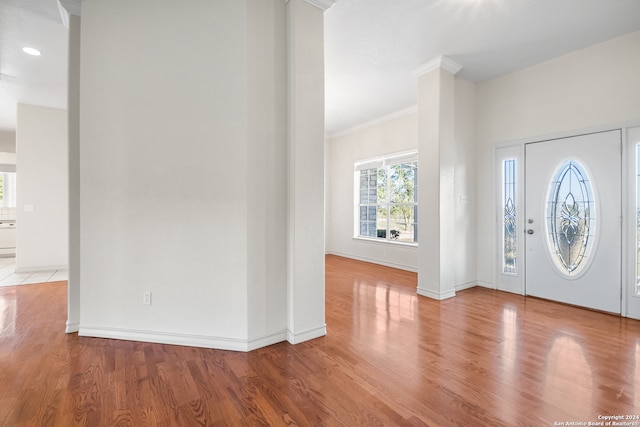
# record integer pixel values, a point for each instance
(529, 231)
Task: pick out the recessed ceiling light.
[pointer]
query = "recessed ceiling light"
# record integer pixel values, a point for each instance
(31, 51)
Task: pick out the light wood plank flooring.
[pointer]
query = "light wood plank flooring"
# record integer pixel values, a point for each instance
(390, 358)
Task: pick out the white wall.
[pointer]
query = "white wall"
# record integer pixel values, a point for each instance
(592, 87)
(42, 179)
(7, 141)
(183, 144)
(305, 164)
(464, 251)
(267, 174)
(73, 108)
(596, 86)
(391, 136)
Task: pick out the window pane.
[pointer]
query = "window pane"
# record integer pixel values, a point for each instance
(371, 226)
(363, 213)
(364, 178)
(8, 190)
(415, 224)
(372, 213)
(378, 187)
(510, 240)
(381, 231)
(381, 185)
(571, 217)
(364, 196)
(373, 198)
(402, 183)
(367, 215)
(402, 223)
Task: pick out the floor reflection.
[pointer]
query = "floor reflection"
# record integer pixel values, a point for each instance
(384, 319)
(509, 350)
(518, 360)
(7, 315)
(392, 307)
(568, 376)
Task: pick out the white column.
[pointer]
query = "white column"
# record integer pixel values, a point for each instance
(436, 157)
(305, 282)
(73, 111)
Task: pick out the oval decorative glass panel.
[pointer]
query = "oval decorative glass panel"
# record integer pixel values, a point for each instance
(571, 217)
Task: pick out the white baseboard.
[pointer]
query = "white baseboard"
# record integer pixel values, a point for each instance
(467, 285)
(72, 327)
(436, 295)
(516, 291)
(374, 261)
(486, 285)
(632, 315)
(297, 338)
(256, 343)
(189, 340)
(38, 269)
(447, 294)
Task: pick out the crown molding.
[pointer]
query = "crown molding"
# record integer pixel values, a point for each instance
(375, 122)
(441, 62)
(74, 7)
(323, 5)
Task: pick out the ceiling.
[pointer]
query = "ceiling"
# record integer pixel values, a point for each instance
(372, 47)
(28, 79)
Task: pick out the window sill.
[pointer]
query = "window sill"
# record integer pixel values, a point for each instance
(386, 242)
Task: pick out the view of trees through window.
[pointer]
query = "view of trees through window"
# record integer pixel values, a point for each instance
(388, 202)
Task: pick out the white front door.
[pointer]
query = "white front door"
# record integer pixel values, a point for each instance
(573, 220)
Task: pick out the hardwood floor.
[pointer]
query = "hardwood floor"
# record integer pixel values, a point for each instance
(389, 358)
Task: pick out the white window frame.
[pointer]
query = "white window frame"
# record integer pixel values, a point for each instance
(377, 163)
(8, 182)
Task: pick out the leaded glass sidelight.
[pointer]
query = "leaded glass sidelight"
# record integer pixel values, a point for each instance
(571, 217)
(509, 238)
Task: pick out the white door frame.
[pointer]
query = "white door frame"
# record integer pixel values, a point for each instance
(630, 306)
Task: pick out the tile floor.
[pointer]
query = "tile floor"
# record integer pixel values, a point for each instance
(8, 276)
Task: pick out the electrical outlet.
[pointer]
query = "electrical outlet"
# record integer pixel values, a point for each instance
(146, 298)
